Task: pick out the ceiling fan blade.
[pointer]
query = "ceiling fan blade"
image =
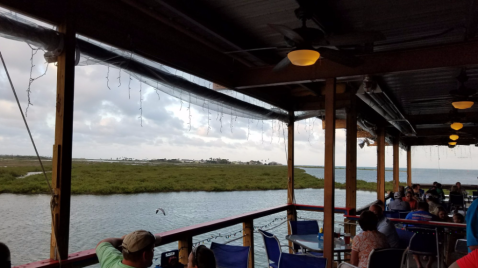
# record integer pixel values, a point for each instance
(430, 100)
(284, 63)
(340, 57)
(355, 38)
(288, 32)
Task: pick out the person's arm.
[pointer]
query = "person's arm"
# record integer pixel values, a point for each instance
(116, 242)
(473, 248)
(454, 265)
(354, 258)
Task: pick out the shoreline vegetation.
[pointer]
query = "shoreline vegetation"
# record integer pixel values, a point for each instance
(104, 178)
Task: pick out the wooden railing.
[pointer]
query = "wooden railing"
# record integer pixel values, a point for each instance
(184, 236)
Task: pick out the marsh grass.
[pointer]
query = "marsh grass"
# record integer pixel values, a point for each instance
(122, 178)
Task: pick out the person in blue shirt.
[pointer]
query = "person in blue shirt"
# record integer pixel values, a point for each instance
(421, 214)
(471, 219)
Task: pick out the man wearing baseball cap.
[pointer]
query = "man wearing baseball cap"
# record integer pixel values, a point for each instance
(132, 250)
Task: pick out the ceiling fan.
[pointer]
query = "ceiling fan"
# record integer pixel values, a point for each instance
(461, 94)
(306, 44)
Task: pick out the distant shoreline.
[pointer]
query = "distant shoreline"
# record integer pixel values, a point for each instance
(124, 178)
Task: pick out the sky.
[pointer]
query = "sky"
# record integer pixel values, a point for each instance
(108, 123)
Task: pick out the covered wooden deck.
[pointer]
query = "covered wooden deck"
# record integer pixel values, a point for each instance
(400, 94)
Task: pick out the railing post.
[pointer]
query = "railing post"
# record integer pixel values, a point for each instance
(185, 247)
(62, 149)
(351, 162)
(248, 239)
(291, 212)
(329, 171)
(409, 166)
(396, 168)
(381, 164)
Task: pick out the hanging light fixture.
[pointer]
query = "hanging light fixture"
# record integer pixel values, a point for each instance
(454, 137)
(456, 126)
(462, 104)
(452, 143)
(303, 57)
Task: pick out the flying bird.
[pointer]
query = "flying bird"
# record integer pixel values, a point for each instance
(160, 209)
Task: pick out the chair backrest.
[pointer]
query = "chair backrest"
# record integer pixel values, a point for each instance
(301, 261)
(228, 256)
(423, 241)
(403, 214)
(456, 199)
(304, 227)
(389, 257)
(272, 246)
(391, 214)
(404, 237)
(461, 246)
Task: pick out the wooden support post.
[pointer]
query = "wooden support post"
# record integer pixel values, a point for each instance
(62, 150)
(409, 166)
(185, 247)
(329, 171)
(396, 168)
(381, 164)
(291, 212)
(351, 162)
(248, 240)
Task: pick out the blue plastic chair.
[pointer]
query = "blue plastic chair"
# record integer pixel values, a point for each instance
(228, 256)
(301, 261)
(273, 248)
(424, 242)
(391, 214)
(304, 228)
(404, 237)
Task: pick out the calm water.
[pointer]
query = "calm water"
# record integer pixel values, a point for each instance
(420, 175)
(25, 219)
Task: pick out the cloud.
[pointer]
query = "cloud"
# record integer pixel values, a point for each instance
(117, 116)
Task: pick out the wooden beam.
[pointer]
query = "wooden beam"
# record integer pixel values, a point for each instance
(396, 167)
(62, 152)
(351, 163)
(291, 212)
(339, 124)
(381, 164)
(409, 166)
(248, 240)
(426, 119)
(185, 247)
(464, 54)
(329, 171)
(443, 141)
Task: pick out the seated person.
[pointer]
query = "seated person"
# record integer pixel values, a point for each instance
(441, 193)
(458, 218)
(416, 190)
(468, 261)
(368, 240)
(421, 214)
(410, 199)
(443, 215)
(201, 257)
(398, 203)
(5, 261)
(472, 226)
(433, 204)
(459, 189)
(386, 227)
(137, 250)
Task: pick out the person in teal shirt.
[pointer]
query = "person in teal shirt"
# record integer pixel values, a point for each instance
(472, 226)
(137, 250)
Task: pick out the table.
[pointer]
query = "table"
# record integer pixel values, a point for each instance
(312, 243)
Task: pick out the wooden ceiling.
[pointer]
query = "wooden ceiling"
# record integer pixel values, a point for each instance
(426, 45)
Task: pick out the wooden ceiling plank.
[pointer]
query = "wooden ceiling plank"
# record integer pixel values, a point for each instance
(454, 55)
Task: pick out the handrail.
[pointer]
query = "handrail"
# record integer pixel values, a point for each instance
(415, 222)
(88, 257)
